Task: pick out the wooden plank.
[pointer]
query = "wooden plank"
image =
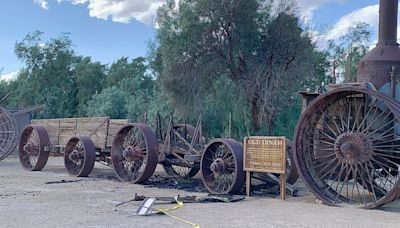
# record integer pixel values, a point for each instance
(282, 186)
(100, 129)
(114, 127)
(248, 183)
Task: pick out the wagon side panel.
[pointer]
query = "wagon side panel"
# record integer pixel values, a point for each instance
(115, 125)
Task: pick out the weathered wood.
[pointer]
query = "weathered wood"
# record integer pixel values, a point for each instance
(101, 130)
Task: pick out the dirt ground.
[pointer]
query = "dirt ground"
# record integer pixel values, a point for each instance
(27, 201)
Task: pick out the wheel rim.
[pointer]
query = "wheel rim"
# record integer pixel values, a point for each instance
(348, 147)
(79, 156)
(222, 167)
(187, 131)
(134, 154)
(291, 170)
(8, 133)
(32, 155)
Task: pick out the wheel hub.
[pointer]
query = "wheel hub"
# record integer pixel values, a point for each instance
(132, 154)
(29, 148)
(74, 155)
(353, 148)
(218, 166)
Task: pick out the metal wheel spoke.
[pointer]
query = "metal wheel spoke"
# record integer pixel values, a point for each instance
(365, 117)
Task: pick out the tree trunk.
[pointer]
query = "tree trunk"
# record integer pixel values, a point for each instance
(255, 112)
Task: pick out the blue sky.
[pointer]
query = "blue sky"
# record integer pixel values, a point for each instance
(109, 29)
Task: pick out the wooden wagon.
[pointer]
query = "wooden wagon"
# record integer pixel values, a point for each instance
(133, 150)
(82, 141)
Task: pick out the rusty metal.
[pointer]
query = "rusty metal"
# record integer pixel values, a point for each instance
(376, 66)
(347, 147)
(388, 22)
(181, 142)
(134, 153)
(79, 156)
(5, 98)
(222, 166)
(347, 142)
(8, 133)
(32, 148)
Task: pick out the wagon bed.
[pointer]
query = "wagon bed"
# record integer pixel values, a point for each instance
(101, 130)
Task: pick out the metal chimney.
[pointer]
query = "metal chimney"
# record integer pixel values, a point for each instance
(388, 22)
(377, 66)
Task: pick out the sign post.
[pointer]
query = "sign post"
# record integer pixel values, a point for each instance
(267, 155)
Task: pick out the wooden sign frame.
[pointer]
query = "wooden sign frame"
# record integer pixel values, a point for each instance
(270, 157)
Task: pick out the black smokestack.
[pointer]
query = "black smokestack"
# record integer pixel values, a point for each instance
(388, 22)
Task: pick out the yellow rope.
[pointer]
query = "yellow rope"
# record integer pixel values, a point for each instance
(179, 205)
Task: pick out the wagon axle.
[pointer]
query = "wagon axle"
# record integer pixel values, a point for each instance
(132, 153)
(30, 148)
(74, 156)
(219, 166)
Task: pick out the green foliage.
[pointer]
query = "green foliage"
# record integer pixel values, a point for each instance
(267, 57)
(89, 78)
(46, 77)
(233, 62)
(129, 92)
(122, 69)
(110, 102)
(287, 119)
(349, 51)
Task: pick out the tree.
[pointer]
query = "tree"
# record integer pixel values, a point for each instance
(122, 69)
(349, 50)
(90, 78)
(131, 85)
(46, 76)
(268, 57)
(110, 102)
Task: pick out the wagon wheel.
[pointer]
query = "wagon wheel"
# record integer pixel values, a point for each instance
(222, 166)
(79, 156)
(8, 133)
(134, 153)
(291, 170)
(187, 131)
(348, 147)
(32, 153)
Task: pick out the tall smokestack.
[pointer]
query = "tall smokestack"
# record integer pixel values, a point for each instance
(384, 60)
(388, 22)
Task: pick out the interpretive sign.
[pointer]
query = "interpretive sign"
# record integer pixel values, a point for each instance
(265, 154)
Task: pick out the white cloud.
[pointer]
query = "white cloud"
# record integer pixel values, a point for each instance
(9, 76)
(145, 10)
(122, 11)
(369, 15)
(42, 3)
(307, 8)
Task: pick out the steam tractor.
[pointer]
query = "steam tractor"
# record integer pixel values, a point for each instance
(347, 141)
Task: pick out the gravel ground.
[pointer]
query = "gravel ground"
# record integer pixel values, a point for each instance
(27, 201)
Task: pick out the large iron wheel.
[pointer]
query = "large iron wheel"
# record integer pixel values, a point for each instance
(8, 133)
(347, 147)
(186, 131)
(32, 153)
(79, 156)
(134, 153)
(222, 166)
